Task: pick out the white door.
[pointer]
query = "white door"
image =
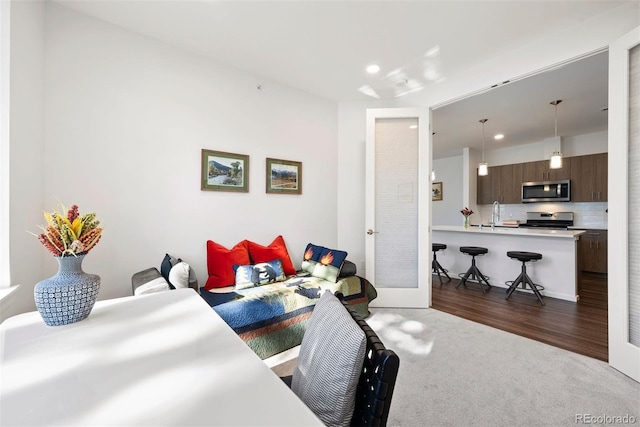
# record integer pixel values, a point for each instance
(398, 199)
(624, 204)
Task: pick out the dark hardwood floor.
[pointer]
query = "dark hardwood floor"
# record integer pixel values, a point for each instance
(579, 327)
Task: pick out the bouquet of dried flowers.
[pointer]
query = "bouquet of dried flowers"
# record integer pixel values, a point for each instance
(69, 234)
(466, 212)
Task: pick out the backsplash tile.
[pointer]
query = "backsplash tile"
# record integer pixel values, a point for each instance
(588, 215)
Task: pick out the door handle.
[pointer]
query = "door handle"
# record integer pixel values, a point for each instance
(370, 232)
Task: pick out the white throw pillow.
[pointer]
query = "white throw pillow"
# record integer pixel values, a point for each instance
(179, 275)
(330, 361)
(156, 285)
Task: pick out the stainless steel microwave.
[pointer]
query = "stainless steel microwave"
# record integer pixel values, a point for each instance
(546, 191)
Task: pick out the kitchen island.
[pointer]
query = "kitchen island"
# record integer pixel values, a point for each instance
(556, 271)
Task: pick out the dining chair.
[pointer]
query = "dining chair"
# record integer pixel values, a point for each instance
(344, 373)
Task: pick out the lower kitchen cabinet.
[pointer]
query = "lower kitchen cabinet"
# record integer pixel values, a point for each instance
(592, 251)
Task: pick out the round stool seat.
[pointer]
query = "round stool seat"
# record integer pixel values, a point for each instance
(524, 256)
(473, 250)
(438, 246)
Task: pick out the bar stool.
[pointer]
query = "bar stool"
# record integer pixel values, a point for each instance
(524, 279)
(473, 273)
(436, 268)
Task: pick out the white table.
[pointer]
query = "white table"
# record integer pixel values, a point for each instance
(556, 271)
(158, 359)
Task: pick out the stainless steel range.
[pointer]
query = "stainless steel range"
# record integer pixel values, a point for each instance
(549, 220)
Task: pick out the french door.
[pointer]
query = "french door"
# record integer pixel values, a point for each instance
(624, 204)
(398, 199)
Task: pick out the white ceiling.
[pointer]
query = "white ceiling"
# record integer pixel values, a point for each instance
(521, 110)
(323, 47)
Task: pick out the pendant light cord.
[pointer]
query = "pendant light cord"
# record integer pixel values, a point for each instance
(556, 117)
(483, 121)
(555, 104)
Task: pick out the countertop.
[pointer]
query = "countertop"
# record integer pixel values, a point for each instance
(593, 227)
(514, 231)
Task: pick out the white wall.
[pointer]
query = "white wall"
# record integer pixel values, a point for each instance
(449, 172)
(26, 172)
(591, 35)
(126, 119)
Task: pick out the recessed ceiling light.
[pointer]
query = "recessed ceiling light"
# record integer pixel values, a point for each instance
(413, 127)
(373, 69)
(498, 136)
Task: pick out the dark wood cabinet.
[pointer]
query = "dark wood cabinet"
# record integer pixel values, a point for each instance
(589, 179)
(540, 171)
(592, 251)
(588, 175)
(502, 184)
(489, 186)
(511, 184)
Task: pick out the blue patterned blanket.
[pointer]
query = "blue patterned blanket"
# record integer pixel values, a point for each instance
(272, 318)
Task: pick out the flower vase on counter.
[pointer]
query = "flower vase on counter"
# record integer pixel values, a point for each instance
(466, 212)
(68, 296)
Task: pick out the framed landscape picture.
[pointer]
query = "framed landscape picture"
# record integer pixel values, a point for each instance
(284, 176)
(224, 171)
(436, 191)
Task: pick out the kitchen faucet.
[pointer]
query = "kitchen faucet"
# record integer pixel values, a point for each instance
(495, 214)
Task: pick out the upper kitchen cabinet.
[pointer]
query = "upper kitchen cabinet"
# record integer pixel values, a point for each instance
(503, 184)
(489, 186)
(589, 178)
(540, 171)
(511, 183)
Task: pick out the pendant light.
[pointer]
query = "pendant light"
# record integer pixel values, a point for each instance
(483, 168)
(556, 157)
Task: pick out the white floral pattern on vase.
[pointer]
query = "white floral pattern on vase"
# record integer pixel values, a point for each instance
(69, 296)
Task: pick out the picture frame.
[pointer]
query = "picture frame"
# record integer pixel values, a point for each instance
(222, 171)
(436, 191)
(284, 176)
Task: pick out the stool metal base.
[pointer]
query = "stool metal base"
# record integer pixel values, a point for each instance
(436, 268)
(474, 275)
(524, 281)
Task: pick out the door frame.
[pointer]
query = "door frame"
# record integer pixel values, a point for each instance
(419, 296)
(623, 355)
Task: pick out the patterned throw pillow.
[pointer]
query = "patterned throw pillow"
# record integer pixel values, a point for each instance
(248, 276)
(311, 256)
(330, 361)
(329, 265)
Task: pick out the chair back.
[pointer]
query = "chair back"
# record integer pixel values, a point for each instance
(377, 379)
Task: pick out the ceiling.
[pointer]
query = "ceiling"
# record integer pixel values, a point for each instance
(521, 110)
(323, 48)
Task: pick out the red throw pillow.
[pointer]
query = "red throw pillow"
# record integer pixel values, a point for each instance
(220, 262)
(276, 250)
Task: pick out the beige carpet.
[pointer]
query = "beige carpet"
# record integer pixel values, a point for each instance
(454, 372)
(284, 369)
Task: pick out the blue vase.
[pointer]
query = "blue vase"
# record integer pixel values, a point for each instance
(68, 296)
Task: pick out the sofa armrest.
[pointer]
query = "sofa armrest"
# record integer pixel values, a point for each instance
(142, 277)
(145, 276)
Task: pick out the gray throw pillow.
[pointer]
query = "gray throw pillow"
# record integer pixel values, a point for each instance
(330, 362)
